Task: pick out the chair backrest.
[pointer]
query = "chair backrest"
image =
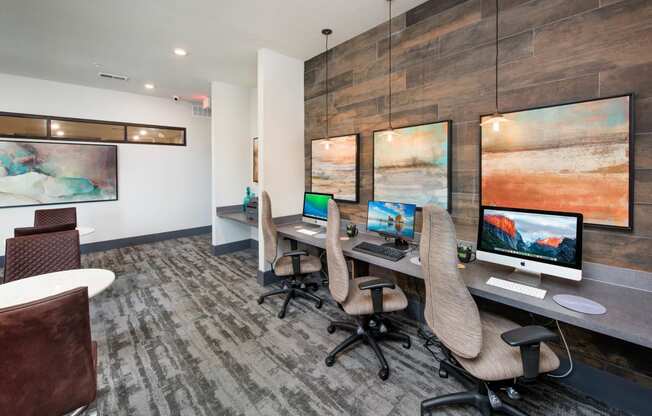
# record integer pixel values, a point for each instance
(46, 360)
(36, 254)
(451, 312)
(23, 231)
(57, 216)
(270, 236)
(338, 273)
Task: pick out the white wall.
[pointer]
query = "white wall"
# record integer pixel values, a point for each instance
(161, 188)
(253, 132)
(281, 132)
(231, 139)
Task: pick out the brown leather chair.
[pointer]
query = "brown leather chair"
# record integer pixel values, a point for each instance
(57, 216)
(23, 231)
(36, 254)
(366, 298)
(294, 266)
(480, 349)
(48, 361)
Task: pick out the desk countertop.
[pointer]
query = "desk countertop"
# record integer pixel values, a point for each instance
(628, 310)
(235, 213)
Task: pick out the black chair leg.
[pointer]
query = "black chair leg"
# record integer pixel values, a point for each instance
(330, 358)
(272, 293)
(288, 298)
(307, 295)
(509, 410)
(397, 336)
(479, 401)
(384, 367)
(347, 326)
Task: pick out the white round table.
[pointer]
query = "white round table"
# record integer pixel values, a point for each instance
(44, 285)
(85, 230)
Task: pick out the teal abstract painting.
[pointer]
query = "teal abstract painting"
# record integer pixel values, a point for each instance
(412, 165)
(38, 173)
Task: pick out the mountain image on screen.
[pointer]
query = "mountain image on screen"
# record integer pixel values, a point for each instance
(502, 233)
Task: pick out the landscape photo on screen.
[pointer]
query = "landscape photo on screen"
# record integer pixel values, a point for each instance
(36, 173)
(316, 205)
(539, 236)
(391, 218)
(412, 165)
(569, 158)
(334, 167)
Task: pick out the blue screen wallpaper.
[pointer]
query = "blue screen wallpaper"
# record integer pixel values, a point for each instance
(391, 218)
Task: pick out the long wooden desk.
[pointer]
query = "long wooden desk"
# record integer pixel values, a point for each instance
(628, 310)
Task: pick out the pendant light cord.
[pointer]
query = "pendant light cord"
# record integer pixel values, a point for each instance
(326, 58)
(389, 71)
(496, 56)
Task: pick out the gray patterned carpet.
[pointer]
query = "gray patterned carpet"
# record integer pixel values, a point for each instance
(180, 333)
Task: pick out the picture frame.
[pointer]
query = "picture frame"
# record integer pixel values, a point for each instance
(338, 173)
(254, 160)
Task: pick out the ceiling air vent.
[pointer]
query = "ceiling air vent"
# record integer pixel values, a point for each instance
(113, 76)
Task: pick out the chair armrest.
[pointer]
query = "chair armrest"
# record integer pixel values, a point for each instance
(528, 335)
(529, 339)
(379, 283)
(376, 286)
(295, 253)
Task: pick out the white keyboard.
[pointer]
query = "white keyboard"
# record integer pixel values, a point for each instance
(517, 287)
(306, 232)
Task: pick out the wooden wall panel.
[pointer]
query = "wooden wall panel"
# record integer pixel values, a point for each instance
(551, 51)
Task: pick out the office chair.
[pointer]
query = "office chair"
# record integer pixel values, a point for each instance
(48, 361)
(366, 298)
(57, 216)
(23, 231)
(36, 254)
(293, 265)
(480, 348)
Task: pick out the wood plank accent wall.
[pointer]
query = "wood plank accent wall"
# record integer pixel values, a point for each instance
(550, 52)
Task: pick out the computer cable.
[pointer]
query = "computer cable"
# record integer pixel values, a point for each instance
(570, 358)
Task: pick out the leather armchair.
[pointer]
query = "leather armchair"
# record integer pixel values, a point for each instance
(48, 361)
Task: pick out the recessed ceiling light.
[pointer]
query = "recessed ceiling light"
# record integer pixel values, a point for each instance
(143, 132)
(60, 133)
(180, 52)
(54, 126)
(149, 86)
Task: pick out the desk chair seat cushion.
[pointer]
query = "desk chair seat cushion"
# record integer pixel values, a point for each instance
(497, 360)
(307, 264)
(359, 302)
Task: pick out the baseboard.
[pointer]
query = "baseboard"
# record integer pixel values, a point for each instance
(267, 278)
(234, 246)
(612, 390)
(141, 239)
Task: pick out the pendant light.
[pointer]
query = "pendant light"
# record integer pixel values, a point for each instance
(390, 133)
(496, 118)
(327, 33)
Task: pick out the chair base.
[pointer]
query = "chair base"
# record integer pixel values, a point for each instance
(292, 290)
(370, 331)
(482, 397)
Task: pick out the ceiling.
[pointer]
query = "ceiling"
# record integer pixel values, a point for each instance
(73, 40)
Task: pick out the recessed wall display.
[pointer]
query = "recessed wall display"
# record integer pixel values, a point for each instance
(334, 167)
(573, 158)
(413, 165)
(255, 159)
(37, 173)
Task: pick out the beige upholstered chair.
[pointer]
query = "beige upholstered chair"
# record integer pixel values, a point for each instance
(479, 347)
(295, 266)
(366, 298)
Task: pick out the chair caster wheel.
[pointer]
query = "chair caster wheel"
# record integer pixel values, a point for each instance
(383, 373)
(443, 373)
(407, 345)
(314, 287)
(512, 393)
(330, 329)
(329, 361)
(261, 300)
(281, 315)
(318, 304)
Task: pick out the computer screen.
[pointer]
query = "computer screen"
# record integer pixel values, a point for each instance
(391, 218)
(541, 236)
(315, 205)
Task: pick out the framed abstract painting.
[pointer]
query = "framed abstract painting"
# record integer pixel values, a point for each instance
(255, 160)
(575, 157)
(334, 167)
(38, 173)
(413, 165)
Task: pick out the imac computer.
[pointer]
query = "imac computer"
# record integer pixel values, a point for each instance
(315, 209)
(392, 219)
(532, 242)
